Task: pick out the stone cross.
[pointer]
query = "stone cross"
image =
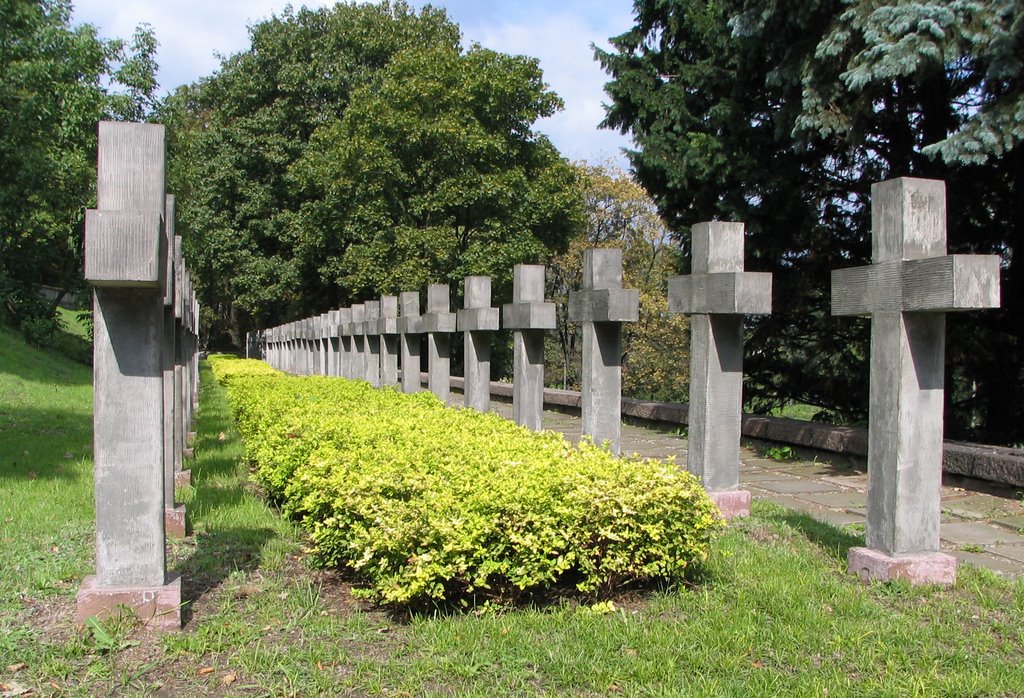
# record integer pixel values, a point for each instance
(602, 306)
(372, 340)
(175, 523)
(907, 291)
(359, 350)
(410, 327)
(325, 344)
(387, 328)
(476, 321)
(717, 295)
(345, 360)
(437, 323)
(333, 343)
(125, 250)
(528, 315)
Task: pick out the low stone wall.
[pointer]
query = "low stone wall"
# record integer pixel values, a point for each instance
(995, 463)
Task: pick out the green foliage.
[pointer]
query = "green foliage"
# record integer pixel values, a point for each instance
(42, 332)
(356, 150)
(619, 213)
(431, 504)
(782, 117)
(56, 83)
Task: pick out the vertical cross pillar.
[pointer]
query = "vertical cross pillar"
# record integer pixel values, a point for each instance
(359, 350)
(387, 328)
(174, 514)
(717, 295)
(324, 341)
(528, 315)
(125, 252)
(372, 339)
(476, 321)
(438, 322)
(345, 360)
(409, 326)
(333, 342)
(602, 306)
(907, 291)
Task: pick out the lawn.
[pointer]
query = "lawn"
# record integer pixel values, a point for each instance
(771, 613)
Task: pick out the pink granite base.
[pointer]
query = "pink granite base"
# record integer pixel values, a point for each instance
(188, 453)
(732, 503)
(183, 478)
(931, 568)
(190, 438)
(157, 607)
(175, 522)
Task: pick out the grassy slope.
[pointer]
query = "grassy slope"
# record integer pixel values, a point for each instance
(774, 614)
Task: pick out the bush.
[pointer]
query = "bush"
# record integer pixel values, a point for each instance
(40, 331)
(434, 504)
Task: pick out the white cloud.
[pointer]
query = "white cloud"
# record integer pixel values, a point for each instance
(191, 32)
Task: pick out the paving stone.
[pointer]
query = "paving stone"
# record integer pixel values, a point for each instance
(1013, 522)
(792, 503)
(982, 506)
(859, 481)
(1012, 552)
(999, 565)
(977, 533)
(764, 476)
(839, 500)
(797, 486)
(839, 518)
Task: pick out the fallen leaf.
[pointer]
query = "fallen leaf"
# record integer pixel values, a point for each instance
(384, 629)
(228, 679)
(16, 667)
(12, 689)
(69, 456)
(206, 670)
(222, 436)
(32, 475)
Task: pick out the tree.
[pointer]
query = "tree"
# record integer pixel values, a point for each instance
(56, 83)
(782, 117)
(619, 213)
(355, 150)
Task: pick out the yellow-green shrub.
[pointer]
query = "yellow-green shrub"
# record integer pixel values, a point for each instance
(426, 502)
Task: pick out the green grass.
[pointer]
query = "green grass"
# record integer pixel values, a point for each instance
(797, 411)
(773, 612)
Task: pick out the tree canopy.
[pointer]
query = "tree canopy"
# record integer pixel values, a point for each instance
(358, 150)
(56, 83)
(782, 116)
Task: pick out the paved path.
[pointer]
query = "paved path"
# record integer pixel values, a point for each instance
(982, 523)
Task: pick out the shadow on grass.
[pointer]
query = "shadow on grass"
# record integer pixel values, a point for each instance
(42, 443)
(233, 538)
(833, 540)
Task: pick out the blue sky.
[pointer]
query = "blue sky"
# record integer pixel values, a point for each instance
(192, 32)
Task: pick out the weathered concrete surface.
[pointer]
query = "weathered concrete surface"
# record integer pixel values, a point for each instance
(907, 357)
(158, 607)
(529, 316)
(437, 323)
(387, 328)
(128, 375)
(717, 295)
(601, 307)
(476, 321)
(410, 327)
(925, 568)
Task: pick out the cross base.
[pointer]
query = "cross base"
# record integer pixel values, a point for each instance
(731, 503)
(928, 568)
(183, 478)
(175, 522)
(157, 607)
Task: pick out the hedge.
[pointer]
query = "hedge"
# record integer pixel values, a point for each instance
(427, 503)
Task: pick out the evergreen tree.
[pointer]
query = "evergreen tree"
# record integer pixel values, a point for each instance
(782, 116)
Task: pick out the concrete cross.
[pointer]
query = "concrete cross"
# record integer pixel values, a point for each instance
(125, 250)
(345, 360)
(602, 306)
(333, 343)
(359, 349)
(387, 328)
(410, 327)
(476, 321)
(437, 323)
(175, 522)
(372, 340)
(907, 291)
(717, 295)
(528, 315)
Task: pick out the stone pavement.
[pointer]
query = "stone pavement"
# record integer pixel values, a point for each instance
(982, 522)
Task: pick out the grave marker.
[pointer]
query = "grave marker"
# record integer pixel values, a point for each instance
(437, 323)
(528, 315)
(387, 328)
(409, 325)
(602, 306)
(907, 290)
(476, 321)
(717, 296)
